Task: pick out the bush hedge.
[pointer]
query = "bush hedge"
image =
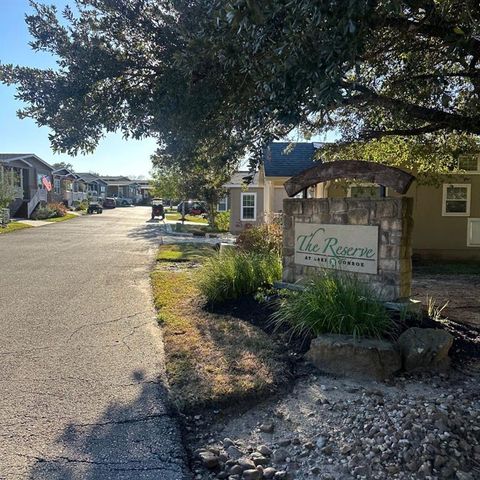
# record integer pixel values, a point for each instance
(266, 238)
(49, 210)
(222, 221)
(234, 273)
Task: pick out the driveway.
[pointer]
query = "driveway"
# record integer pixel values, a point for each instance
(81, 360)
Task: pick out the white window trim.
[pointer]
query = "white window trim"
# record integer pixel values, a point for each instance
(469, 172)
(224, 200)
(57, 185)
(254, 194)
(444, 200)
(470, 222)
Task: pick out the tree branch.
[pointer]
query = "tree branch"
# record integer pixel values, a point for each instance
(445, 32)
(427, 76)
(449, 121)
(410, 132)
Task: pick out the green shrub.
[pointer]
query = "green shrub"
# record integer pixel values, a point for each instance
(333, 304)
(79, 206)
(233, 274)
(49, 210)
(222, 221)
(42, 212)
(264, 238)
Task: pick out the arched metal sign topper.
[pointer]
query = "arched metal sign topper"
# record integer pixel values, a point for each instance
(391, 177)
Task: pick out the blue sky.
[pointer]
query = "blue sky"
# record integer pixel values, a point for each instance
(114, 155)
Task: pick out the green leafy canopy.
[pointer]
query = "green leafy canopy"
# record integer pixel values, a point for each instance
(224, 77)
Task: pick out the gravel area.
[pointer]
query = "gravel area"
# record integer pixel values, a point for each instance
(414, 427)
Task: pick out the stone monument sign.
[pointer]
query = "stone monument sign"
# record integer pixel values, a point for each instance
(369, 238)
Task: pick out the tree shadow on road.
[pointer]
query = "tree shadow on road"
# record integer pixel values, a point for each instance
(134, 441)
(150, 232)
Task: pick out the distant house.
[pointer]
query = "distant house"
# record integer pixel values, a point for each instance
(261, 200)
(29, 174)
(121, 187)
(446, 217)
(96, 188)
(68, 187)
(146, 190)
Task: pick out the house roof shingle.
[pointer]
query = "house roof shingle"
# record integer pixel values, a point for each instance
(6, 157)
(88, 177)
(237, 179)
(286, 159)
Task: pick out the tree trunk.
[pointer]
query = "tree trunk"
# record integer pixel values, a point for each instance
(211, 213)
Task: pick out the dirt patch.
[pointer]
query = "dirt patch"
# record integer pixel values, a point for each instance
(462, 292)
(212, 359)
(257, 313)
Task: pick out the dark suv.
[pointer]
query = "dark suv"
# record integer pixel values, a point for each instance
(109, 202)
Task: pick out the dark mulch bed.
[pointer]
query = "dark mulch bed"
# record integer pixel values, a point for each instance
(466, 345)
(258, 313)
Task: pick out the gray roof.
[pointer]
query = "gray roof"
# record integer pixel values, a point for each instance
(114, 178)
(6, 157)
(237, 179)
(286, 159)
(89, 177)
(119, 183)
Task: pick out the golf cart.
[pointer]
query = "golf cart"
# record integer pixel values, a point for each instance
(94, 207)
(157, 209)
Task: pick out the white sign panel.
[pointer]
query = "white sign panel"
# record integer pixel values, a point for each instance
(351, 248)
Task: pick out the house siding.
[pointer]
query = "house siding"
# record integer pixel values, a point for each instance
(236, 224)
(443, 237)
(436, 236)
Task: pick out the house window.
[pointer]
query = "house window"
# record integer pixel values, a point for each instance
(248, 206)
(223, 205)
(470, 164)
(456, 200)
(56, 185)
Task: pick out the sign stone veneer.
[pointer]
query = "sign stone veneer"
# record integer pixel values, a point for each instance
(393, 216)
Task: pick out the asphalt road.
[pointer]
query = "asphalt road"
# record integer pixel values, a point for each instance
(81, 360)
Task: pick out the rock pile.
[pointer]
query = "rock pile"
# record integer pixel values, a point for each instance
(354, 432)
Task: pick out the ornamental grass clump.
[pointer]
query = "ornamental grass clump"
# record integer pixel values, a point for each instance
(233, 274)
(333, 304)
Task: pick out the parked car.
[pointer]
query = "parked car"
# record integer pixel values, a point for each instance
(94, 207)
(192, 208)
(124, 202)
(109, 202)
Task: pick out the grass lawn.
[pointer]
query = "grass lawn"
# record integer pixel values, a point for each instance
(189, 218)
(447, 268)
(12, 226)
(211, 359)
(68, 216)
(184, 252)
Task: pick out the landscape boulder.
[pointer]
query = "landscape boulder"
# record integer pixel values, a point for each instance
(348, 356)
(425, 349)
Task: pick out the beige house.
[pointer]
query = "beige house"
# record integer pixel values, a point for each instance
(446, 217)
(261, 200)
